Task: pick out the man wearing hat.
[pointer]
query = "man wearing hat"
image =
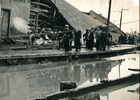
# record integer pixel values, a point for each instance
(77, 39)
(68, 36)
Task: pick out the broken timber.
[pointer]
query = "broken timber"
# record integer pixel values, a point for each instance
(41, 4)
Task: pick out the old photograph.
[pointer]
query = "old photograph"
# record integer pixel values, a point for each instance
(69, 50)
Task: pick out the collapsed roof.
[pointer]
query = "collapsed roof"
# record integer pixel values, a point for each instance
(74, 17)
(57, 13)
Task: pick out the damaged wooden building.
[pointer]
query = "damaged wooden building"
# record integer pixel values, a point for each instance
(42, 13)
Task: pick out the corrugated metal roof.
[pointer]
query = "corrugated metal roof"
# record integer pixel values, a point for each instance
(76, 18)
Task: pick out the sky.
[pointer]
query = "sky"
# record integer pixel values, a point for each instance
(130, 17)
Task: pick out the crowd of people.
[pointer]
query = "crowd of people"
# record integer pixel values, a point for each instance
(97, 37)
(124, 39)
(102, 38)
(64, 37)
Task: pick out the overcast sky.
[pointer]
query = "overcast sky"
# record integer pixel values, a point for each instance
(101, 7)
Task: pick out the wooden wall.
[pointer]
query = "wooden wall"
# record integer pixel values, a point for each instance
(18, 8)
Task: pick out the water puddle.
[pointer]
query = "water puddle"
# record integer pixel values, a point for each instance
(24, 82)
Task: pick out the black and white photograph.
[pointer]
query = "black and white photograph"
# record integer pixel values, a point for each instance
(69, 50)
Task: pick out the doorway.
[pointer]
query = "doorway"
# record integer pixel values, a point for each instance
(5, 23)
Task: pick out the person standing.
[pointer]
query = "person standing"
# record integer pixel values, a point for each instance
(66, 42)
(90, 69)
(60, 39)
(91, 39)
(77, 37)
(68, 36)
(97, 35)
(109, 40)
(85, 36)
(103, 39)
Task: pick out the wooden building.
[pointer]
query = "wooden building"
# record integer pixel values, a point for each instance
(10, 9)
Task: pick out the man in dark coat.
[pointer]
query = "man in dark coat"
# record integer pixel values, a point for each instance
(67, 38)
(60, 39)
(124, 39)
(103, 39)
(91, 39)
(120, 39)
(109, 39)
(85, 38)
(97, 35)
(77, 38)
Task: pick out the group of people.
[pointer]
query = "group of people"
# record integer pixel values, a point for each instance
(123, 39)
(101, 36)
(96, 37)
(66, 37)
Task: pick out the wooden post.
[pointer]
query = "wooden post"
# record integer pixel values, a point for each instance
(108, 20)
(121, 18)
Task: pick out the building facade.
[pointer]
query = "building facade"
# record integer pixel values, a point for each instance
(10, 9)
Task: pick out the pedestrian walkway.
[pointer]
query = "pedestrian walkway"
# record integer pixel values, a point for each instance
(35, 53)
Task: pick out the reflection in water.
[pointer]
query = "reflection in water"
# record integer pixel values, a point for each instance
(120, 92)
(89, 71)
(76, 74)
(99, 71)
(103, 69)
(4, 87)
(27, 84)
(65, 74)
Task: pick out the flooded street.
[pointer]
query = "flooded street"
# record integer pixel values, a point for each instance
(121, 92)
(25, 82)
(69, 50)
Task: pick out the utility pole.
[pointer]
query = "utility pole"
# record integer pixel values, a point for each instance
(121, 18)
(109, 10)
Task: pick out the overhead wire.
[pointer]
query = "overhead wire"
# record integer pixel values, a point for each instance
(130, 22)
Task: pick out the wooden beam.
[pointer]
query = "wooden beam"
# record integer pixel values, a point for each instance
(32, 13)
(39, 10)
(45, 15)
(34, 10)
(32, 19)
(44, 22)
(41, 4)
